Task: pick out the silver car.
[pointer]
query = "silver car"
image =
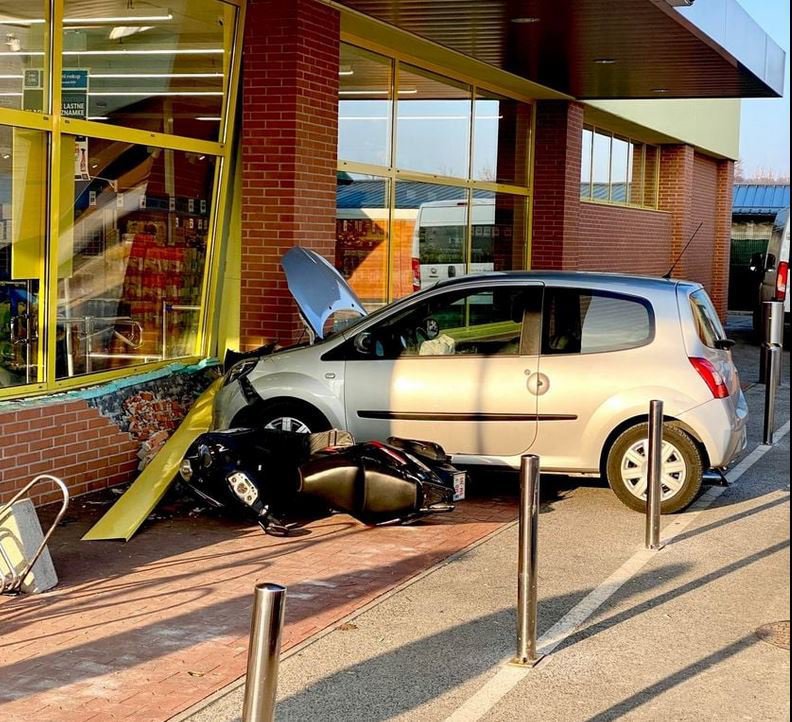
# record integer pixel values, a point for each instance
(495, 365)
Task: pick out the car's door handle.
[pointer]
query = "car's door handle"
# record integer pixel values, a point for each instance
(538, 384)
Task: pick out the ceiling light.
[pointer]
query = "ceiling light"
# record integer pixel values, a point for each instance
(525, 21)
(659, 90)
(214, 118)
(148, 94)
(131, 15)
(96, 117)
(144, 76)
(604, 61)
(405, 91)
(345, 70)
(11, 77)
(173, 51)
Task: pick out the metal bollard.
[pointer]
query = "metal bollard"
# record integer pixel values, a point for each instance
(261, 683)
(527, 555)
(654, 491)
(773, 334)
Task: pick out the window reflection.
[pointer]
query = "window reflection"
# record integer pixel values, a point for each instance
(364, 106)
(132, 253)
(362, 209)
(619, 167)
(22, 230)
(585, 164)
(433, 124)
(23, 61)
(501, 138)
(162, 69)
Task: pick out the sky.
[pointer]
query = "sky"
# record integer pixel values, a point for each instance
(764, 127)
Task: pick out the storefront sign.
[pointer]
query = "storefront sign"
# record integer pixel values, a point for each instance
(74, 93)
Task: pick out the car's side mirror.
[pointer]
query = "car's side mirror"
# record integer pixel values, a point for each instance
(364, 343)
(757, 263)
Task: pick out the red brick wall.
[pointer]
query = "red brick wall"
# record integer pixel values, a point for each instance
(722, 253)
(627, 240)
(70, 440)
(557, 152)
(289, 145)
(676, 197)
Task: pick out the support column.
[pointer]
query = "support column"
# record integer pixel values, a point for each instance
(676, 197)
(722, 250)
(289, 146)
(556, 202)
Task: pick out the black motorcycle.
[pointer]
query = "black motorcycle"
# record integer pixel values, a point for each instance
(271, 475)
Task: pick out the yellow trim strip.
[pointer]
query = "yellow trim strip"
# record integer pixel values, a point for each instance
(77, 126)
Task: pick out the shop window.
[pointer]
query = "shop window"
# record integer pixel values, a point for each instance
(433, 122)
(365, 83)
(362, 219)
(162, 69)
(132, 253)
(23, 56)
(619, 170)
(23, 171)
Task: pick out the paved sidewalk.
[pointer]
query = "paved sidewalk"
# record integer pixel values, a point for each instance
(676, 641)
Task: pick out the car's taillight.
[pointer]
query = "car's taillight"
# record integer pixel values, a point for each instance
(781, 281)
(711, 377)
(416, 274)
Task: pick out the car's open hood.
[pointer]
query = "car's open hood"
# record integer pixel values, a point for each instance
(318, 288)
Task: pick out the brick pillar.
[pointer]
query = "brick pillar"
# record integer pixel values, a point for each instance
(556, 204)
(722, 250)
(289, 146)
(676, 197)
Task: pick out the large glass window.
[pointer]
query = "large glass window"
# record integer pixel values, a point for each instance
(23, 170)
(501, 139)
(132, 252)
(433, 124)
(23, 55)
(447, 196)
(614, 169)
(363, 208)
(162, 67)
(365, 83)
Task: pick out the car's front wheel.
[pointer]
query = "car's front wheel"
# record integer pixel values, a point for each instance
(300, 418)
(681, 469)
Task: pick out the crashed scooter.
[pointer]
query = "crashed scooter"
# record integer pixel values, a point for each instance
(270, 475)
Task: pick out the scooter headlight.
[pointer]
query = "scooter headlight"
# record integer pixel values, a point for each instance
(185, 470)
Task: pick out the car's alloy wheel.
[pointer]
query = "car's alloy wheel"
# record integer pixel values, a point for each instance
(288, 423)
(681, 468)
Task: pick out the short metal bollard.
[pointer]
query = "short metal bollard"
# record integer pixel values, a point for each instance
(261, 683)
(773, 334)
(654, 492)
(527, 556)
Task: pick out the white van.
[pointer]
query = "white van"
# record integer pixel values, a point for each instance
(439, 239)
(773, 268)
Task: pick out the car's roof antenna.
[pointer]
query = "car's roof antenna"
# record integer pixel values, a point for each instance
(679, 257)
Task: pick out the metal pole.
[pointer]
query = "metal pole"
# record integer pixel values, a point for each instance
(771, 389)
(654, 462)
(526, 566)
(773, 333)
(261, 684)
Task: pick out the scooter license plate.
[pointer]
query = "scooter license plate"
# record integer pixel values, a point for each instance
(459, 485)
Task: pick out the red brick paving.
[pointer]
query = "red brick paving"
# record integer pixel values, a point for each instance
(145, 629)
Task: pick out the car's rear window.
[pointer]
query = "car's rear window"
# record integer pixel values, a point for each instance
(708, 324)
(581, 321)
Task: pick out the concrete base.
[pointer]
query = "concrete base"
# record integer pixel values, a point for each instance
(20, 536)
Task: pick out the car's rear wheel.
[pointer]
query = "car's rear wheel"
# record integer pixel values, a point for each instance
(293, 416)
(681, 470)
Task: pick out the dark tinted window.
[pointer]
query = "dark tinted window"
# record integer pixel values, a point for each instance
(578, 321)
(708, 324)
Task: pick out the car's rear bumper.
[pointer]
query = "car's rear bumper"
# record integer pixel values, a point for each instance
(721, 426)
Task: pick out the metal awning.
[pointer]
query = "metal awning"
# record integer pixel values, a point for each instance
(603, 49)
